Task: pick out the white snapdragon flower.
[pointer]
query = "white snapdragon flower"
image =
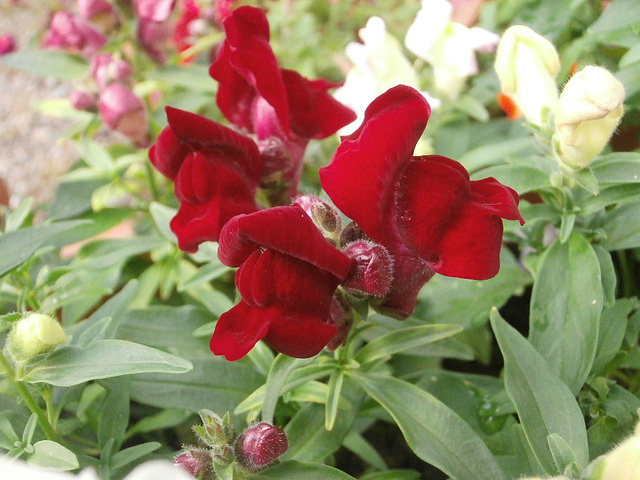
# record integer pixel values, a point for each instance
(378, 65)
(449, 47)
(153, 470)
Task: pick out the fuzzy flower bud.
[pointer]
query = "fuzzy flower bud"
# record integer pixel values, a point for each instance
(34, 334)
(197, 462)
(588, 111)
(123, 111)
(260, 445)
(98, 12)
(372, 271)
(83, 100)
(7, 44)
(527, 65)
(326, 217)
(623, 462)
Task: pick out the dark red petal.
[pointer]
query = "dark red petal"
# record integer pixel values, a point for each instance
(411, 274)
(246, 60)
(286, 229)
(432, 190)
(451, 223)
(299, 335)
(201, 133)
(362, 177)
(496, 198)
(168, 154)
(239, 329)
(210, 193)
(314, 113)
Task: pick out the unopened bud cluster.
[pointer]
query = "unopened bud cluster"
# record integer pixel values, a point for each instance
(256, 448)
(585, 114)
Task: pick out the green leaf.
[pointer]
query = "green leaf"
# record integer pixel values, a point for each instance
(613, 326)
(522, 178)
(96, 156)
(608, 274)
(8, 436)
(47, 63)
(566, 303)
(280, 370)
(115, 418)
(495, 153)
(334, 390)
(622, 226)
(72, 365)
(206, 273)
(608, 196)
(16, 218)
(49, 454)
(618, 15)
(194, 76)
(162, 216)
(432, 430)
(618, 167)
(212, 382)
(361, 447)
(544, 403)
(393, 474)
(404, 339)
(131, 454)
(18, 246)
(293, 470)
(472, 107)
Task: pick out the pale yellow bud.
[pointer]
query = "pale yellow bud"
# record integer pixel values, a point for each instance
(587, 114)
(623, 462)
(527, 65)
(35, 334)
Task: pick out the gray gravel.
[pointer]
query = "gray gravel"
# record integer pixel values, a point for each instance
(33, 152)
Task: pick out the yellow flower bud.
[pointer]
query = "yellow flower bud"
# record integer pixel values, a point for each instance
(623, 462)
(33, 335)
(527, 65)
(588, 111)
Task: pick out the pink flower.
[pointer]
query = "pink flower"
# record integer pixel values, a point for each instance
(124, 112)
(286, 280)
(72, 33)
(7, 44)
(154, 29)
(216, 173)
(83, 100)
(182, 34)
(98, 12)
(424, 210)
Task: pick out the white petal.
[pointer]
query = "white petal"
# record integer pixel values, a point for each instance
(158, 470)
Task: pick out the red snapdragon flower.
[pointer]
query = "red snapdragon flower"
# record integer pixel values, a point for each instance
(216, 173)
(255, 94)
(287, 277)
(425, 210)
(189, 12)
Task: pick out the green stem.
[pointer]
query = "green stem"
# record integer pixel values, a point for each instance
(152, 181)
(31, 403)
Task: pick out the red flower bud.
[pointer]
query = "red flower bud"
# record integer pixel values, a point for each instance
(7, 44)
(72, 33)
(106, 70)
(123, 111)
(326, 218)
(260, 445)
(83, 100)
(372, 271)
(98, 12)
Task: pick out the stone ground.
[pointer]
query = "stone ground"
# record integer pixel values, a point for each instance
(32, 154)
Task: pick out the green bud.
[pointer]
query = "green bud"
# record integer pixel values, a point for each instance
(34, 334)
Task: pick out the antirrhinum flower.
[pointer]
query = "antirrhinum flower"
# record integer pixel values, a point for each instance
(449, 47)
(588, 111)
(378, 64)
(527, 65)
(286, 282)
(99, 12)
(424, 210)
(73, 33)
(7, 44)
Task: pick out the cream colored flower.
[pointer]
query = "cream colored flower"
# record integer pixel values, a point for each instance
(527, 65)
(587, 114)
